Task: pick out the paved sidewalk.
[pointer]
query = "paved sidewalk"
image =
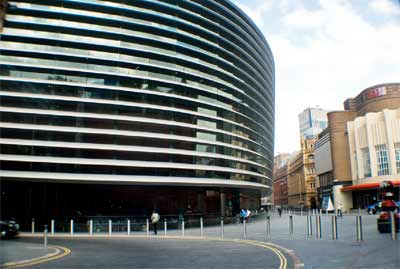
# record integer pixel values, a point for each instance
(376, 250)
(12, 251)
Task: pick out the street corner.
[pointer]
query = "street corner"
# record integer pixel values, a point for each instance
(21, 254)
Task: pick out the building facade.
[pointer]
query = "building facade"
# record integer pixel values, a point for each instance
(361, 138)
(280, 179)
(302, 179)
(323, 166)
(312, 121)
(124, 106)
(374, 146)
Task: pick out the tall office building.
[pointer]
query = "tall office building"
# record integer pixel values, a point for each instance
(312, 121)
(119, 107)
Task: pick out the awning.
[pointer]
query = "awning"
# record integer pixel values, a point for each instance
(372, 185)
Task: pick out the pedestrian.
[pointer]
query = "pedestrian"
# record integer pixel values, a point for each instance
(339, 210)
(242, 214)
(248, 213)
(279, 211)
(155, 217)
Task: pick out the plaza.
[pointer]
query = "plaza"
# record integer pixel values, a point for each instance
(230, 247)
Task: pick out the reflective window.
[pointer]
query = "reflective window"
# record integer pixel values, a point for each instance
(206, 136)
(366, 162)
(397, 153)
(382, 160)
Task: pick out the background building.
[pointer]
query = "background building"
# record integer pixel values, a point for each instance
(302, 181)
(363, 143)
(280, 176)
(374, 146)
(312, 121)
(323, 166)
(124, 106)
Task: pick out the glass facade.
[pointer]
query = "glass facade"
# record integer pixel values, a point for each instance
(136, 88)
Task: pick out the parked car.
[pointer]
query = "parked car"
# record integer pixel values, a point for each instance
(8, 229)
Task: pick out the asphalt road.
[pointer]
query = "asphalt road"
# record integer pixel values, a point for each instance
(376, 250)
(158, 253)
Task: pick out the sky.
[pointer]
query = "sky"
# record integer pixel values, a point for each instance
(325, 51)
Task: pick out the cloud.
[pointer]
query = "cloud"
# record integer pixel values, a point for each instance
(256, 11)
(324, 55)
(303, 19)
(387, 7)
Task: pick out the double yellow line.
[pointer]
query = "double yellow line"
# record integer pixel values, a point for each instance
(62, 251)
(59, 253)
(282, 258)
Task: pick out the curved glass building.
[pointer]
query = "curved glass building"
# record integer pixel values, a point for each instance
(111, 106)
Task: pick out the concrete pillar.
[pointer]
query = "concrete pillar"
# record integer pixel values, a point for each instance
(201, 204)
(223, 203)
(389, 117)
(371, 146)
(342, 197)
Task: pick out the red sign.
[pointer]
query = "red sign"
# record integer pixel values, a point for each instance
(373, 93)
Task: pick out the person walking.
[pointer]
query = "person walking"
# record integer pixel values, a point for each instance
(280, 211)
(155, 218)
(339, 210)
(242, 214)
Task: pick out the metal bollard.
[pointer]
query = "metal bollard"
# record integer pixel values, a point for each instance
(291, 225)
(268, 225)
(90, 227)
(165, 227)
(45, 236)
(71, 228)
(334, 228)
(183, 227)
(359, 228)
(244, 229)
(33, 226)
(52, 227)
(201, 227)
(109, 227)
(393, 225)
(318, 223)
(309, 225)
(301, 211)
(222, 227)
(128, 228)
(147, 227)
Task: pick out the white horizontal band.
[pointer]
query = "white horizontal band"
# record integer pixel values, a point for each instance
(125, 163)
(134, 180)
(118, 117)
(94, 146)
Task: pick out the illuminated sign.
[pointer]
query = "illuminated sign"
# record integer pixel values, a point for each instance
(374, 93)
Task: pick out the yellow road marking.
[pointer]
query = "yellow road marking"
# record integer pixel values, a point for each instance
(58, 255)
(282, 258)
(273, 247)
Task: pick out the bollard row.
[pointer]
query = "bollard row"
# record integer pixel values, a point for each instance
(309, 227)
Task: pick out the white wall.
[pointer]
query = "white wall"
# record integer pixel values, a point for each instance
(322, 154)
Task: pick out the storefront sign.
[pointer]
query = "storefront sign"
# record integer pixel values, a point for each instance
(374, 93)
